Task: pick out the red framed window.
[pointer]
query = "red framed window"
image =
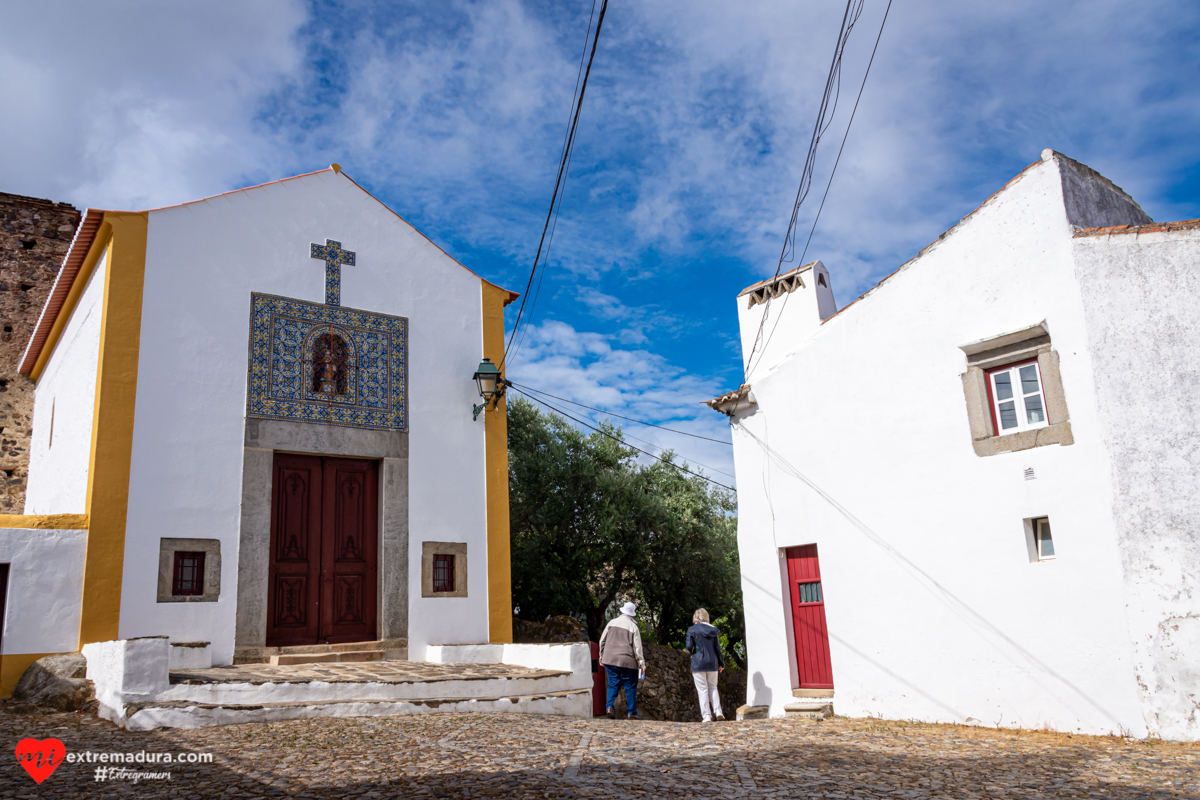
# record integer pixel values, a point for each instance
(443, 573)
(1016, 397)
(188, 574)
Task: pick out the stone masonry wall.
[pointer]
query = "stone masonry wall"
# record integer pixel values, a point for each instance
(34, 237)
(669, 693)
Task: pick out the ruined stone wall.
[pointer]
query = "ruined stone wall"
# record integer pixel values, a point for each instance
(34, 237)
(669, 693)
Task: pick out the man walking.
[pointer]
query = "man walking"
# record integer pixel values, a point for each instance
(621, 655)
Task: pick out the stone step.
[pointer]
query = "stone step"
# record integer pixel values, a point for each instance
(815, 708)
(176, 714)
(337, 657)
(393, 649)
(344, 683)
(813, 693)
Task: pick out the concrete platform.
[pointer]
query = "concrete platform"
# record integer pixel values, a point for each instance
(538, 679)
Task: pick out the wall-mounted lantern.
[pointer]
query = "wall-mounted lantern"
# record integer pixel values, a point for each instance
(491, 386)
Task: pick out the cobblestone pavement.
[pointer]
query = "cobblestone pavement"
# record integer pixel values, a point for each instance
(525, 756)
(362, 672)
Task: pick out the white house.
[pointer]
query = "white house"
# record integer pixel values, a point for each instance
(253, 429)
(973, 494)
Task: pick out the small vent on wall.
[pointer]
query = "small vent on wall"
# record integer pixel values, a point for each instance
(1029, 474)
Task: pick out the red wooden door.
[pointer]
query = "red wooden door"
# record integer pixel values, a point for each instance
(348, 547)
(808, 618)
(295, 570)
(324, 539)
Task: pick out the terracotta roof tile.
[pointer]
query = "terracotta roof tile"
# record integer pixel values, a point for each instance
(85, 234)
(1150, 227)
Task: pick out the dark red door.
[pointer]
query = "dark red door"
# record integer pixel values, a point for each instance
(324, 539)
(808, 618)
(348, 545)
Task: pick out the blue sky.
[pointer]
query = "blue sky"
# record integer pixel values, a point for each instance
(688, 155)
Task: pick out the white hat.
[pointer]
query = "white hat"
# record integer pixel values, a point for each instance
(629, 609)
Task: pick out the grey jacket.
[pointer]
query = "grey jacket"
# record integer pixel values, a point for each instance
(621, 644)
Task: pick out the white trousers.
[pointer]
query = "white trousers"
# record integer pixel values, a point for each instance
(710, 701)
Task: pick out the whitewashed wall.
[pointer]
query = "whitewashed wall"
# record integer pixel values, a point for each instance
(1140, 295)
(66, 392)
(860, 443)
(45, 589)
(203, 261)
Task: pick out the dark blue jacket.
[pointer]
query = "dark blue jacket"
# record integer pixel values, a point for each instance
(705, 647)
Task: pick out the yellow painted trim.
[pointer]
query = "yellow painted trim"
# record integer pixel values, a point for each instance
(112, 427)
(103, 236)
(12, 667)
(499, 547)
(61, 522)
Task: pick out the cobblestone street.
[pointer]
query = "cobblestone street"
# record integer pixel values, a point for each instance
(515, 755)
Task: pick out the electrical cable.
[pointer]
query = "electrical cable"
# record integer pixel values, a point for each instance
(833, 83)
(619, 416)
(627, 435)
(537, 292)
(555, 200)
(829, 183)
(619, 440)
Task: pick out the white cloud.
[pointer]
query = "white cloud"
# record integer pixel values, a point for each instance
(138, 104)
(690, 144)
(586, 368)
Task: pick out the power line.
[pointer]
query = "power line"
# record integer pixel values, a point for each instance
(829, 183)
(537, 292)
(627, 435)
(619, 440)
(619, 416)
(833, 85)
(555, 201)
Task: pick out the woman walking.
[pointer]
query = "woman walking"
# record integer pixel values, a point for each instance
(707, 663)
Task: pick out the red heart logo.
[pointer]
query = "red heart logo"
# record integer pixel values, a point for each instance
(40, 758)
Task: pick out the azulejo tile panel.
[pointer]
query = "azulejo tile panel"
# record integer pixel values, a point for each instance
(327, 364)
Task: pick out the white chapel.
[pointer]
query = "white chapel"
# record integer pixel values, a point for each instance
(253, 430)
(973, 494)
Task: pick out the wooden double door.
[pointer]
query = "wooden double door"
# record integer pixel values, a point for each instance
(808, 618)
(323, 575)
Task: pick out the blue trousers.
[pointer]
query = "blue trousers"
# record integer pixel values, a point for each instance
(619, 677)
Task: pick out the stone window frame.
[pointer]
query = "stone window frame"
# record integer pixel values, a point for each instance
(456, 549)
(166, 569)
(1028, 344)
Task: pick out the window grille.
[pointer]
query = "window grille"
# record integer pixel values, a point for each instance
(189, 574)
(443, 573)
(810, 592)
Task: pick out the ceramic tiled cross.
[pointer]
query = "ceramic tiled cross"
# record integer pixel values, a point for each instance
(334, 256)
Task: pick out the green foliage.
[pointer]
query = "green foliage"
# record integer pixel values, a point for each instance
(591, 527)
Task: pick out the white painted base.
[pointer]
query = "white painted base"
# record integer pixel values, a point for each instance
(575, 657)
(127, 671)
(134, 672)
(185, 655)
(574, 704)
(356, 691)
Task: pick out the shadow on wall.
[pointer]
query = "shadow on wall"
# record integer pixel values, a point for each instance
(1004, 643)
(762, 692)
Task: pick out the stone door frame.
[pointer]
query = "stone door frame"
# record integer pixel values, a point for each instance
(265, 437)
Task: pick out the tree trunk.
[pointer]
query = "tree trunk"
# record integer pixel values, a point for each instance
(595, 623)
